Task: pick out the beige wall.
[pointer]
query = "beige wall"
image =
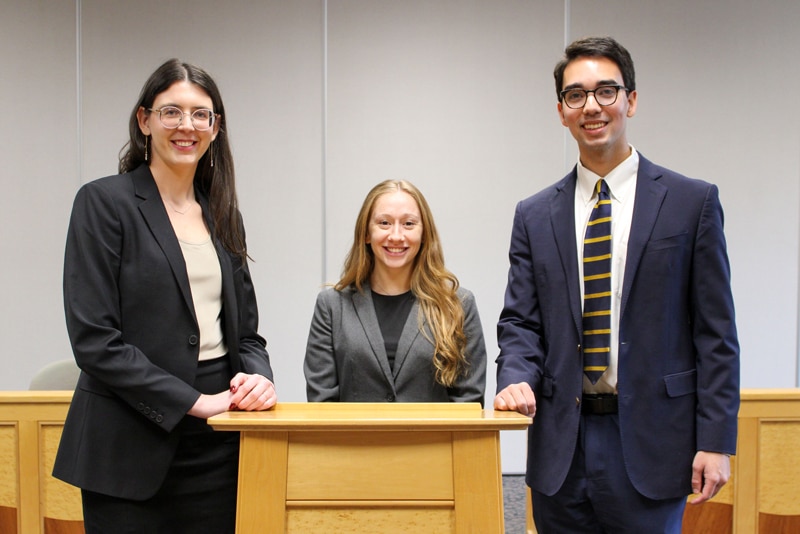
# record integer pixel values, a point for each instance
(325, 99)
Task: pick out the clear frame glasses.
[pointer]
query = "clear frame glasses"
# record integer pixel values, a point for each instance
(605, 95)
(171, 117)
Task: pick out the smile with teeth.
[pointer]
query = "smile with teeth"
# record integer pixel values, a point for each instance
(184, 143)
(395, 249)
(594, 125)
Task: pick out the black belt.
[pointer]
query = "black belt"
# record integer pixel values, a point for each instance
(599, 404)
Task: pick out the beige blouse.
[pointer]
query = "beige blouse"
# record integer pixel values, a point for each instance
(205, 280)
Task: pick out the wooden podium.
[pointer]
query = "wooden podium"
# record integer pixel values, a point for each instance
(370, 467)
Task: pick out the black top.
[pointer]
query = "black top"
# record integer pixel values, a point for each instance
(392, 312)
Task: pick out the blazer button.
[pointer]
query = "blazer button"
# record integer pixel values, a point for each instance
(140, 406)
(193, 340)
(159, 418)
(146, 410)
(390, 398)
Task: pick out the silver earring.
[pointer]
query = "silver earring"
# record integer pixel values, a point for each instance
(211, 154)
(145, 147)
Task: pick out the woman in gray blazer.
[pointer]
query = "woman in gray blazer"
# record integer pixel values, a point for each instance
(396, 327)
(162, 318)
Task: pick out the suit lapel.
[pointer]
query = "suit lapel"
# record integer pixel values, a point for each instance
(155, 215)
(562, 219)
(365, 309)
(407, 337)
(650, 195)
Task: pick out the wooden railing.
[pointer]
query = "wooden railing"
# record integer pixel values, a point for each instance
(761, 497)
(762, 494)
(766, 470)
(31, 500)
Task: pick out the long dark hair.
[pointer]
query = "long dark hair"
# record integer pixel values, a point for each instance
(216, 182)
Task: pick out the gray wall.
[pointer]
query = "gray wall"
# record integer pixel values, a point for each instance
(325, 99)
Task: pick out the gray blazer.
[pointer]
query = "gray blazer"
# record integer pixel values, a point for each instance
(346, 360)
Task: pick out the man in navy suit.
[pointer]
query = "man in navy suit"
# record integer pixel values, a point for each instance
(619, 453)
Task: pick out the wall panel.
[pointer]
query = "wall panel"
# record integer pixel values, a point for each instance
(38, 171)
(266, 58)
(326, 98)
(708, 78)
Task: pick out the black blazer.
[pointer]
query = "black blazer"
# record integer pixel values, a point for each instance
(134, 334)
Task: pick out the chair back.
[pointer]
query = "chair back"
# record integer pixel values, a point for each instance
(56, 376)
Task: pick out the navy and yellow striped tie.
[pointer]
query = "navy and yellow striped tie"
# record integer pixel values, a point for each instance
(597, 286)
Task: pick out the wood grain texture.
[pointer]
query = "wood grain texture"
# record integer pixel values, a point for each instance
(62, 526)
(8, 466)
(363, 465)
(30, 427)
(60, 501)
(339, 467)
(8, 520)
(779, 469)
(708, 518)
(478, 482)
(346, 416)
(372, 520)
(262, 482)
(778, 524)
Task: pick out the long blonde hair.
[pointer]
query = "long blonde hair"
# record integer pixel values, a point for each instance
(432, 284)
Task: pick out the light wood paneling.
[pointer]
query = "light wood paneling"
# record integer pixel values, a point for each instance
(779, 470)
(370, 466)
(30, 428)
(478, 482)
(367, 467)
(59, 500)
(372, 520)
(766, 484)
(9, 465)
(259, 456)
(760, 497)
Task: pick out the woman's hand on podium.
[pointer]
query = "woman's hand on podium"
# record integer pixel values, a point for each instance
(247, 392)
(252, 393)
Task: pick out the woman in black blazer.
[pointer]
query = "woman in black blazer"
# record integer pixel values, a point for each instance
(396, 327)
(162, 318)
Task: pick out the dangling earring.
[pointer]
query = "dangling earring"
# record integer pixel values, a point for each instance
(145, 147)
(211, 153)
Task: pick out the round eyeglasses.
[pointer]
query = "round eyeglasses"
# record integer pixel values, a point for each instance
(605, 95)
(171, 117)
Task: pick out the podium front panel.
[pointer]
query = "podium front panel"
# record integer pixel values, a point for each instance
(370, 466)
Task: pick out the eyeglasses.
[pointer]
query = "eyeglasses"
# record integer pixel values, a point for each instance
(171, 117)
(605, 95)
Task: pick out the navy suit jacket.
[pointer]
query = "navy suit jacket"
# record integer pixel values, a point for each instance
(131, 322)
(678, 373)
(346, 357)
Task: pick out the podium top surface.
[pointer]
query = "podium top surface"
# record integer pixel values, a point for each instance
(313, 416)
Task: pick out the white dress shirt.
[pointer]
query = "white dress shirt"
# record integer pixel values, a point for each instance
(622, 187)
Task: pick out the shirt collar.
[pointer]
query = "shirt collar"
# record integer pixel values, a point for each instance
(621, 179)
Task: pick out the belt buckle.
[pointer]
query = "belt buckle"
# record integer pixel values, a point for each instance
(599, 404)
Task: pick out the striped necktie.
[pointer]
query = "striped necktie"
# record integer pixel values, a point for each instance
(597, 286)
